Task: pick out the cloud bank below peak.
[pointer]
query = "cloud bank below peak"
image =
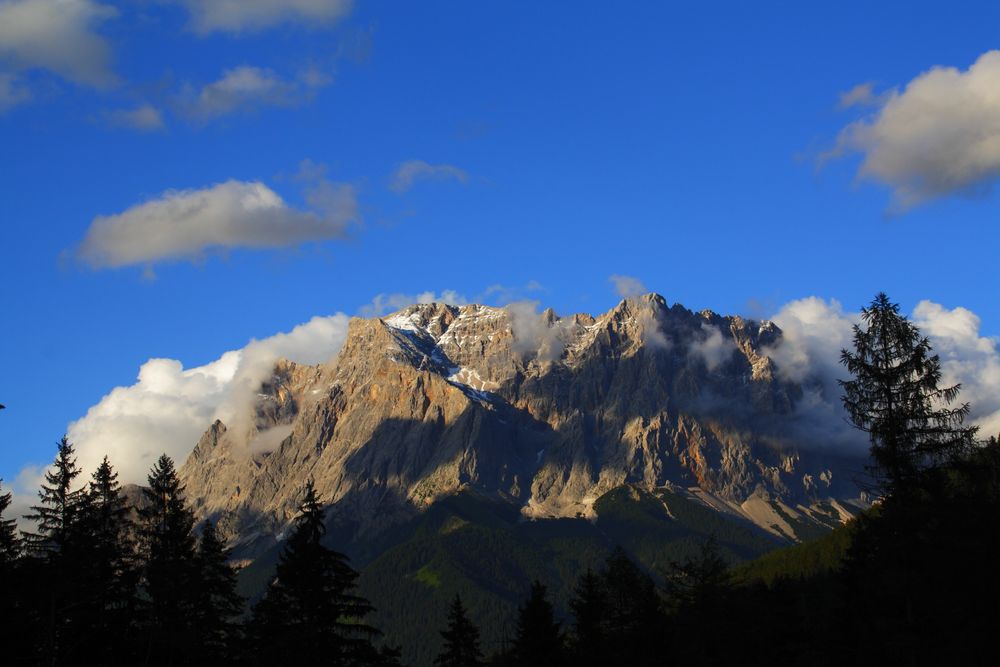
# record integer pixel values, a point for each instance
(938, 136)
(187, 224)
(816, 330)
(169, 407)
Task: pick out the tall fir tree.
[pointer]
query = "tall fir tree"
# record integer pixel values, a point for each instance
(588, 606)
(461, 640)
(108, 565)
(168, 565)
(895, 398)
(55, 559)
(310, 608)
(539, 641)
(10, 544)
(58, 510)
(617, 615)
(218, 605)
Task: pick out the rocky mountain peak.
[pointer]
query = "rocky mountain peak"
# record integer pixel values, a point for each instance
(543, 411)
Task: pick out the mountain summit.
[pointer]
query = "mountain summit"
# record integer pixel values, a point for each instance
(543, 412)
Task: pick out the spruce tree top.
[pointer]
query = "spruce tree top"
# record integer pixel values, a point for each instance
(895, 398)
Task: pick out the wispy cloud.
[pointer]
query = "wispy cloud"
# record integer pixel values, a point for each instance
(247, 88)
(12, 92)
(411, 172)
(937, 137)
(626, 286)
(59, 36)
(186, 224)
(145, 118)
(383, 303)
(862, 95)
(246, 16)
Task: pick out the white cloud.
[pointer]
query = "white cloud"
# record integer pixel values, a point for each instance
(626, 286)
(383, 304)
(533, 332)
(503, 294)
(58, 36)
(862, 95)
(237, 16)
(967, 357)
(12, 92)
(815, 331)
(410, 172)
(940, 136)
(246, 88)
(168, 408)
(185, 224)
(713, 349)
(145, 118)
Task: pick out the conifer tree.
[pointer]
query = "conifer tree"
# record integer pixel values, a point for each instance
(461, 640)
(618, 617)
(703, 583)
(60, 502)
(15, 622)
(106, 550)
(217, 604)
(895, 398)
(55, 568)
(588, 606)
(310, 608)
(10, 545)
(538, 641)
(168, 563)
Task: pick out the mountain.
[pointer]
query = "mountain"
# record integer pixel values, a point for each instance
(543, 413)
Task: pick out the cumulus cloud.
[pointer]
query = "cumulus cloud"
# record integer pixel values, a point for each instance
(967, 357)
(169, 407)
(185, 224)
(144, 118)
(815, 331)
(713, 349)
(236, 16)
(246, 88)
(383, 304)
(626, 286)
(411, 172)
(939, 136)
(59, 36)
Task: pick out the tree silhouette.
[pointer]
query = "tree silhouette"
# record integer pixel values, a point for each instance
(461, 640)
(168, 553)
(58, 510)
(102, 543)
(217, 604)
(588, 606)
(895, 398)
(309, 609)
(10, 545)
(538, 641)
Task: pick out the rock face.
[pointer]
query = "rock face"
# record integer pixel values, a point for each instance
(546, 412)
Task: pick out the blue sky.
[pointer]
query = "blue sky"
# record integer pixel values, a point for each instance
(550, 146)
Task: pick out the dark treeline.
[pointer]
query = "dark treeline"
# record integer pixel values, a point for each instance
(910, 581)
(102, 582)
